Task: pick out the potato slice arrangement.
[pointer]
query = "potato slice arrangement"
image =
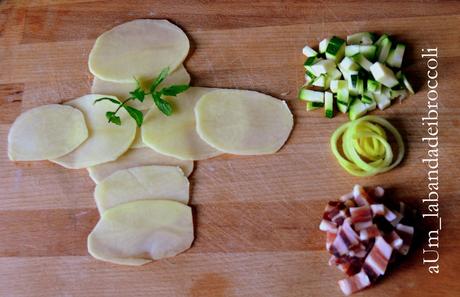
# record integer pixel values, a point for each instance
(142, 188)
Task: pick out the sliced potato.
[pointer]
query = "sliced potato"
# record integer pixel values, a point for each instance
(175, 135)
(134, 158)
(243, 122)
(46, 132)
(121, 90)
(106, 141)
(139, 48)
(134, 233)
(142, 183)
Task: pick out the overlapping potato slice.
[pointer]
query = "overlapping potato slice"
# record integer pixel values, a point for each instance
(139, 48)
(175, 135)
(134, 158)
(46, 132)
(121, 90)
(134, 233)
(142, 183)
(106, 141)
(243, 122)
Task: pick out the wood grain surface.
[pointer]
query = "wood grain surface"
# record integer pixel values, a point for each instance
(256, 216)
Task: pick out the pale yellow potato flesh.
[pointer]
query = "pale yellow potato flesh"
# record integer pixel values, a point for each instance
(142, 183)
(138, 232)
(175, 135)
(121, 90)
(106, 141)
(46, 132)
(135, 158)
(139, 48)
(243, 122)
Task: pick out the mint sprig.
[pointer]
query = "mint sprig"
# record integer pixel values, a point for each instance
(139, 94)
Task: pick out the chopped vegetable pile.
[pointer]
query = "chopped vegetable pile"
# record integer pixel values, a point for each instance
(365, 146)
(364, 235)
(358, 74)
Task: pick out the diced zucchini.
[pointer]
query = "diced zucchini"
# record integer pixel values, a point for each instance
(381, 38)
(371, 106)
(320, 81)
(398, 94)
(360, 86)
(334, 85)
(351, 50)
(328, 104)
(309, 52)
(346, 73)
(343, 94)
(334, 74)
(357, 110)
(310, 95)
(383, 75)
(348, 64)
(365, 38)
(367, 98)
(314, 105)
(383, 50)
(323, 45)
(335, 49)
(309, 61)
(405, 82)
(321, 67)
(373, 86)
(368, 51)
(395, 57)
(343, 108)
(310, 74)
(386, 91)
(382, 100)
(353, 84)
(362, 61)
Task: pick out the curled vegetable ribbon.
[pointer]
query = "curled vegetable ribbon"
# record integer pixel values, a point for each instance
(365, 146)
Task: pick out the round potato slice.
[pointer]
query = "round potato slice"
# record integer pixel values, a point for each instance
(46, 132)
(135, 158)
(243, 122)
(121, 90)
(134, 233)
(175, 135)
(106, 141)
(142, 183)
(140, 48)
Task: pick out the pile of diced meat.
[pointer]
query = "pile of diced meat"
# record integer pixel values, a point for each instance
(363, 234)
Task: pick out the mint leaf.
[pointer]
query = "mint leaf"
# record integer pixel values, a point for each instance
(160, 78)
(163, 105)
(107, 98)
(135, 114)
(174, 90)
(113, 118)
(138, 94)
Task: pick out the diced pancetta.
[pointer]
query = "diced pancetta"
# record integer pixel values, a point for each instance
(406, 233)
(354, 283)
(378, 210)
(379, 256)
(328, 226)
(330, 237)
(340, 217)
(394, 240)
(370, 232)
(361, 217)
(360, 196)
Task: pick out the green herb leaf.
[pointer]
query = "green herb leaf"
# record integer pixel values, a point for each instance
(174, 90)
(138, 94)
(135, 114)
(113, 118)
(163, 105)
(107, 98)
(159, 79)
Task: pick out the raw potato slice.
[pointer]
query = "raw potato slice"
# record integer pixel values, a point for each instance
(106, 141)
(121, 90)
(175, 135)
(142, 183)
(140, 48)
(46, 132)
(134, 158)
(243, 122)
(134, 233)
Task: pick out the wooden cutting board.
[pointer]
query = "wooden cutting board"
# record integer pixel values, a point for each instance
(256, 216)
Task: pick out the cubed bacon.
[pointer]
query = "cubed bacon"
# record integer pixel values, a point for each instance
(389, 215)
(360, 196)
(358, 251)
(328, 226)
(379, 192)
(370, 232)
(394, 240)
(378, 210)
(378, 258)
(346, 238)
(361, 217)
(339, 218)
(346, 197)
(332, 209)
(354, 283)
(350, 266)
(330, 237)
(406, 233)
